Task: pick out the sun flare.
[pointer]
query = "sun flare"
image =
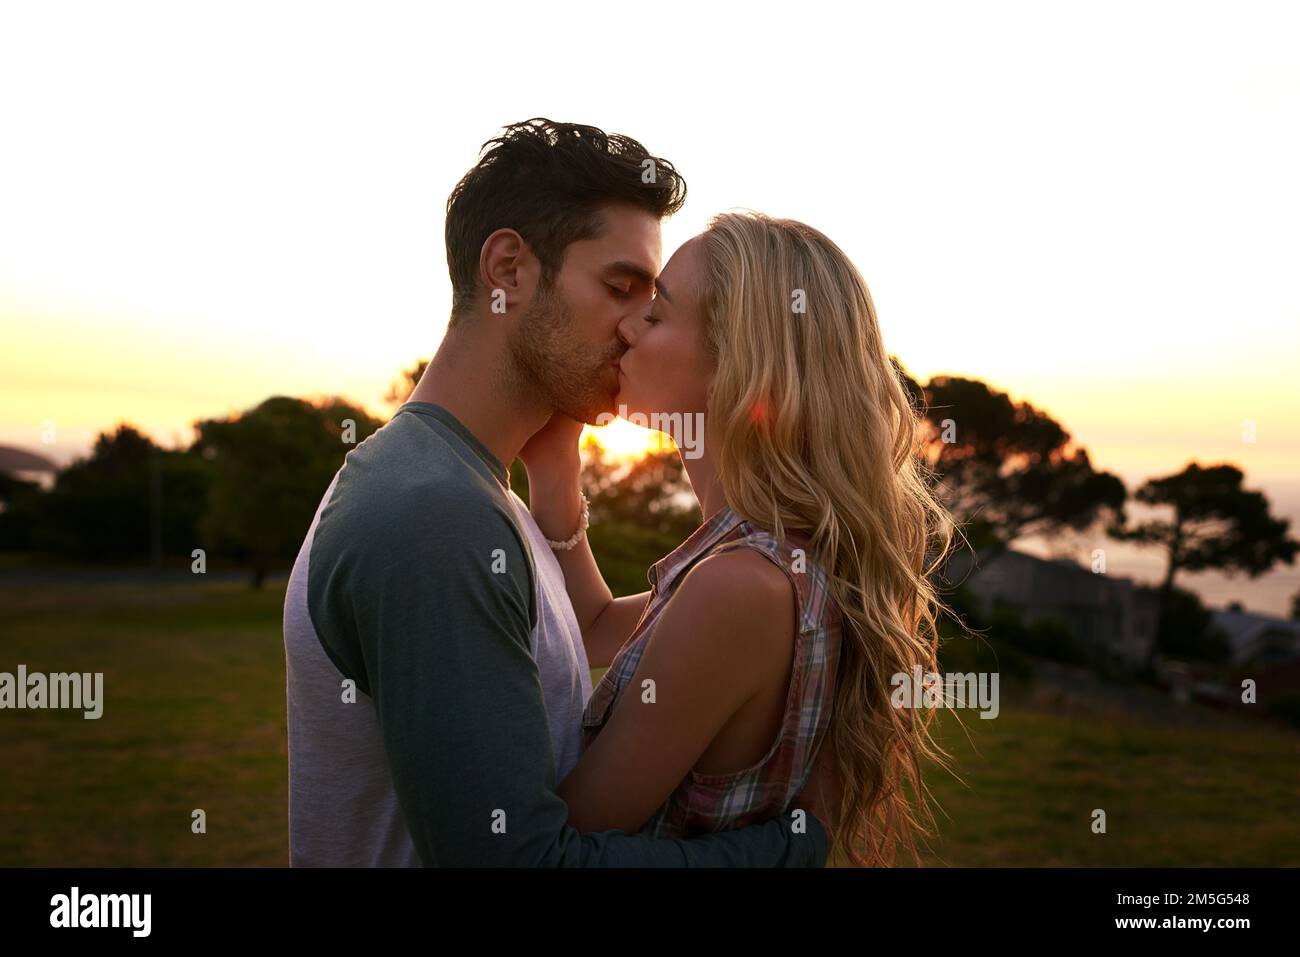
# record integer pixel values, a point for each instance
(624, 442)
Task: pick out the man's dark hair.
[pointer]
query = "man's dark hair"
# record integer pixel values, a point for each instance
(547, 181)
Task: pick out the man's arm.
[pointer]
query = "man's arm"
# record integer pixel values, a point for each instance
(445, 631)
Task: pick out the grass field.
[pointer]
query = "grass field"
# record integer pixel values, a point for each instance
(194, 718)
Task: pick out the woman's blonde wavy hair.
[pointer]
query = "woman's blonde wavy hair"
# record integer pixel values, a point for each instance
(814, 431)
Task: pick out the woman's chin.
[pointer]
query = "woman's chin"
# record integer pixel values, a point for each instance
(625, 396)
(633, 401)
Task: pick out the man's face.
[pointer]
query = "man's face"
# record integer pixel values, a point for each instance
(567, 343)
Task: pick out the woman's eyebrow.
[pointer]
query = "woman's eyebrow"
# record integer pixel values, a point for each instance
(664, 292)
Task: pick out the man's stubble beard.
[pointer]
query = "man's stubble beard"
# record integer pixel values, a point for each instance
(547, 360)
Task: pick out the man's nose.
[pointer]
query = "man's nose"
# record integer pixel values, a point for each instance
(626, 332)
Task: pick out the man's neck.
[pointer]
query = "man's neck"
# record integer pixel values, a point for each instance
(466, 378)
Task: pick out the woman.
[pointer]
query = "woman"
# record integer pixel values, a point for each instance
(771, 634)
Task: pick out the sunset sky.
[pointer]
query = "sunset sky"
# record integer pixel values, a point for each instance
(1092, 207)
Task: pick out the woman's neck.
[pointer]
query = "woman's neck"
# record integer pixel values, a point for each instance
(704, 483)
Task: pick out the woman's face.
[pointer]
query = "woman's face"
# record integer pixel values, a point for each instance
(666, 368)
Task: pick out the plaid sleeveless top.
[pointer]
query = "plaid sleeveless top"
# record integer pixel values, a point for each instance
(705, 803)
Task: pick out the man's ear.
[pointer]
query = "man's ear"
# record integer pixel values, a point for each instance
(508, 270)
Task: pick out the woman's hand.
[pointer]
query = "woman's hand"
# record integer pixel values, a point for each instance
(552, 452)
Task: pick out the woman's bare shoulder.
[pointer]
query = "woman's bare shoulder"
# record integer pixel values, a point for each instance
(741, 602)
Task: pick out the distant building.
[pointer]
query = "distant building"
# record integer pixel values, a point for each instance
(1258, 639)
(27, 466)
(1105, 612)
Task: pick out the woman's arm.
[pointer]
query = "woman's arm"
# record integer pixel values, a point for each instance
(726, 635)
(605, 621)
(551, 457)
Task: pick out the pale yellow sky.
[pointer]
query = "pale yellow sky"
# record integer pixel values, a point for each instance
(1092, 207)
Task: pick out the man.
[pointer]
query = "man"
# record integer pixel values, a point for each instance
(436, 673)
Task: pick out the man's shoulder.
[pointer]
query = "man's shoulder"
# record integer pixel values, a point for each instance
(407, 481)
(412, 523)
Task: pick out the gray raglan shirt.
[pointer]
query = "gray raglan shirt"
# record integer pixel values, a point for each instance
(436, 677)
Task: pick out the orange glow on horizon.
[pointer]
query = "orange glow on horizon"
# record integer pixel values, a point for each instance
(622, 441)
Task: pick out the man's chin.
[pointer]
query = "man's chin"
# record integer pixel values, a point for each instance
(606, 406)
(608, 411)
(599, 404)
(600, 409)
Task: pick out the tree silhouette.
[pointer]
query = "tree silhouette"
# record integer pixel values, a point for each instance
(1005, 469)
(1295, 606)
(400, 390)
(1187, 631)
(1215, 524)
(651, 491)
(270, 466)
(99, 509)
(127, 500)
(915, 391)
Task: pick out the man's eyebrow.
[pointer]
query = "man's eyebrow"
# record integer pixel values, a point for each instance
(631, 269)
